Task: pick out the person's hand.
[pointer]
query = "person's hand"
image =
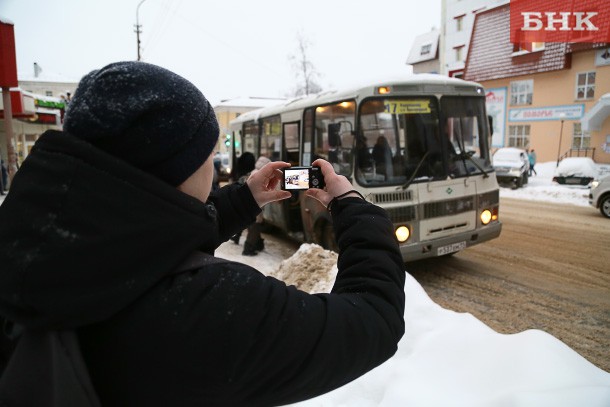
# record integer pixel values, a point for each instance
(335, 184)
(263, 183)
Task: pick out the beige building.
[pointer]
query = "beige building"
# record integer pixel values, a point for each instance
(550, 97)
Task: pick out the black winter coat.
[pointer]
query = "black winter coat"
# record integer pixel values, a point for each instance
(89, 242)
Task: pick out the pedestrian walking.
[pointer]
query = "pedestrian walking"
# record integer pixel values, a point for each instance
(531, 156)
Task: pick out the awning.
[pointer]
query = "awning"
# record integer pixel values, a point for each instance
(595, 117)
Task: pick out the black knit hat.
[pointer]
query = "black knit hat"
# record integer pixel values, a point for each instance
(151, 117)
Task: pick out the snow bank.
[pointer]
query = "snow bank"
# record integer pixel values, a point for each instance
(453, 359)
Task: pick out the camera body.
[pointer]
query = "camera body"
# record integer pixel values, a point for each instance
(302, 178)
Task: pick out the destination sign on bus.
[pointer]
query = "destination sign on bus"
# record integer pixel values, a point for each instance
(407, 106)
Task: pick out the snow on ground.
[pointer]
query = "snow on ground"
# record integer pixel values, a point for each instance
(541, 187)
(451, 359)
(446, 358)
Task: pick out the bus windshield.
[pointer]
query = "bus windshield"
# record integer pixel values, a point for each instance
(406, 140)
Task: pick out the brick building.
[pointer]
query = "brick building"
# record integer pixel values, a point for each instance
(553, 97)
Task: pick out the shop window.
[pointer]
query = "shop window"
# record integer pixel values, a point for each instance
(521, 92)
(585, 85)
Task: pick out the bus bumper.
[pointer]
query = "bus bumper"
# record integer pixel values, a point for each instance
(449, 245)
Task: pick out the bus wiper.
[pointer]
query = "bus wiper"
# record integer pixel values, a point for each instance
(419, 164)
(467, 155)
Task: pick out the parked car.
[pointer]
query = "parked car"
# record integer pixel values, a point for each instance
(575, 171)
(512, 166)
(599, 195)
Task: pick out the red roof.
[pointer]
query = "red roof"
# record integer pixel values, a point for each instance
(491, 55)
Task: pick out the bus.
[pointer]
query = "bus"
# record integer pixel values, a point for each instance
(418, 146)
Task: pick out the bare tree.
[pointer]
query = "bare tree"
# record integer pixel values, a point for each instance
(305, 72)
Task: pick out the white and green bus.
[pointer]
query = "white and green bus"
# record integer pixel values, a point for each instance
(418, 147)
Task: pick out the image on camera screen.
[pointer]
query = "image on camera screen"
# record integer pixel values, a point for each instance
(296, 178)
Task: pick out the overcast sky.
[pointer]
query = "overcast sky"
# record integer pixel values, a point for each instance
(226, 48)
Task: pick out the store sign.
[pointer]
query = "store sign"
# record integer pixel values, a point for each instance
(22, 105)
(602, 57)
(569, 112)
(559, 21)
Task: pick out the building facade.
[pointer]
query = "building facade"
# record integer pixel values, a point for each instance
(423, 56)
(457, 19)
(550, 97)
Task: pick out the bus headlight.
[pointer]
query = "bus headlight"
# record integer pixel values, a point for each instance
(486, 216)
(402, 233)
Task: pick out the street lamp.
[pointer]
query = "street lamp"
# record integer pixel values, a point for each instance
(138, 26)
(562, 115)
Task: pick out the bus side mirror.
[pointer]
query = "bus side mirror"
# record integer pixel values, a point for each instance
(491, 125)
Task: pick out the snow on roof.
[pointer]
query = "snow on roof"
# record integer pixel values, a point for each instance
(250, 101)
(5, 20)
(424, 47)
(47, 77)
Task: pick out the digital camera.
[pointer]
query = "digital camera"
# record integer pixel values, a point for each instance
(301, 178)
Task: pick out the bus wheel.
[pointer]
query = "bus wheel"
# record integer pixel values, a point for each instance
(325, 236)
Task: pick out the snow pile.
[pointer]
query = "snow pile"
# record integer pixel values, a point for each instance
(448, 358)
(311, 269)
(453, 359)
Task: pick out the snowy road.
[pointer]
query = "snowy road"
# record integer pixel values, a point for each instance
(549, 270)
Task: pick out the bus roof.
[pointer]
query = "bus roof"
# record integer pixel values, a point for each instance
(413, 83)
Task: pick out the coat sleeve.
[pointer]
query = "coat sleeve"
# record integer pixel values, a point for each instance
(235, 208)
(306, 345)
(226, 335)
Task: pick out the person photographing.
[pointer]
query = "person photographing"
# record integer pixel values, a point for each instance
(99, 232)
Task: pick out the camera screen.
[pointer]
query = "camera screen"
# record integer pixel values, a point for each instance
(296, 178)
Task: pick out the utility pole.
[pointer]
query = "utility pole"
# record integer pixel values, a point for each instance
(138, 31)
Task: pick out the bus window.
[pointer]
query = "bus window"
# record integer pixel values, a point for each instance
(465, 127)
(333, 135)
(291, 143)
(250, 138)
(398, 141)
(271, 139)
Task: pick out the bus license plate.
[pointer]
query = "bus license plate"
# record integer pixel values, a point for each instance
(451, 248)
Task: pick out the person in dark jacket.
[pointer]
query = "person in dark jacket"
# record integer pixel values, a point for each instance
(102, 215)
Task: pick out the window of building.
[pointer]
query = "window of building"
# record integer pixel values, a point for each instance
(521, 92)
(525, 47)
(585, 85)
(459, 53)
(519, 136)
(459, 23)
(425, 49)
(580, 139)
(48, 93)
